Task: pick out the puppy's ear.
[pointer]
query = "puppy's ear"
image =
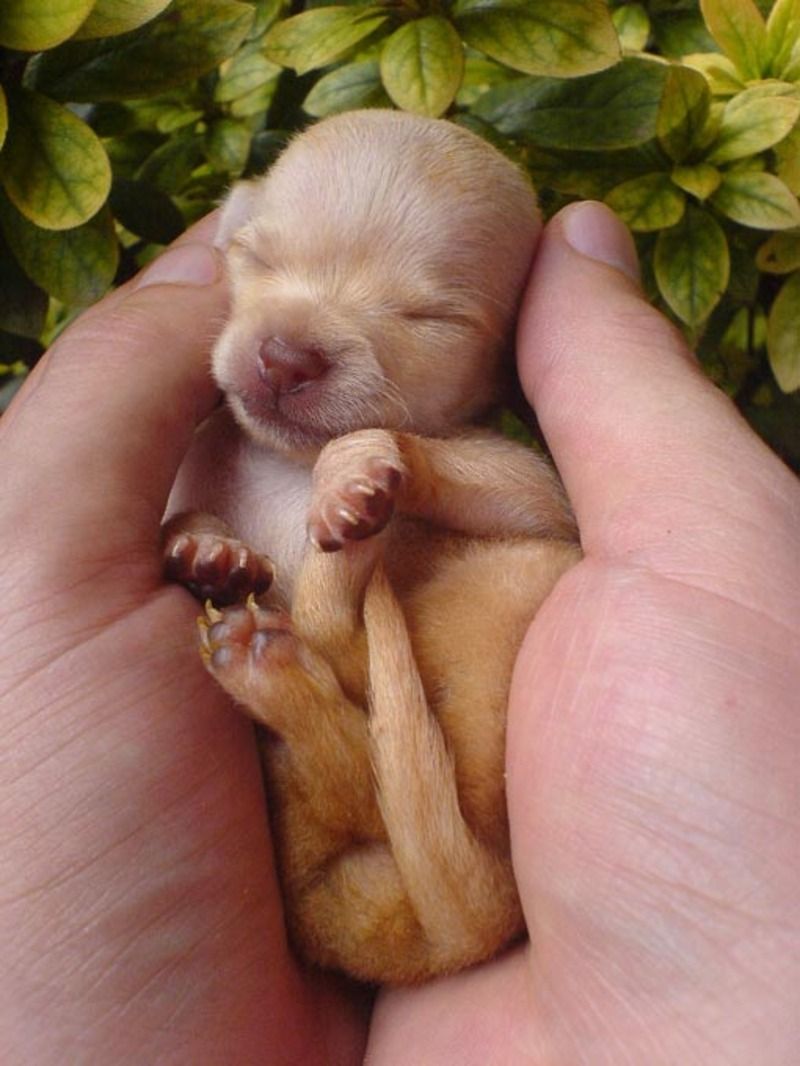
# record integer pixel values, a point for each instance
(237, 210)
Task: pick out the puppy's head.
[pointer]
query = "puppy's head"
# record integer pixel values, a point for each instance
(375, 274)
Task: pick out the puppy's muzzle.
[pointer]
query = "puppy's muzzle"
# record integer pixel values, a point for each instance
(284, 367)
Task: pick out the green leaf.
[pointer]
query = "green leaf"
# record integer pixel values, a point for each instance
(632, 24)
(352, 86)
(648, 203)
(186, 41)
(3, 116)
(243, 73)
(783, 335)
(550, 37)
(758, 200)
(720, 73)
(75, 266)
(684, 110)
(617, 108)
(780, 253)
(23, 305)
(480, 75)
(700, 179)
(110, 17)
(171, 165)
(679, 33)
(267, 11)
(753, 121)
(783, 33)
(228, 145)
(53, 167)
(692, 265)
(422, 64)
(318, 37)
(33, 25)
(739, 29)
(145, 211)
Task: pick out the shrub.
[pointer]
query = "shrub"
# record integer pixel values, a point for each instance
(122, 121)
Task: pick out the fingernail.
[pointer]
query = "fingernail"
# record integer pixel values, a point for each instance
(595, 231)
(185, 264)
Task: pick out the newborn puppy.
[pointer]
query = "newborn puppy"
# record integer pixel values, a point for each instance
(396, 551)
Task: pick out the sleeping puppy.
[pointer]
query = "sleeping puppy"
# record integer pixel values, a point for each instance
(394, 552)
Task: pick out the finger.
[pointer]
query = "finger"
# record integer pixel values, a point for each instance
(654, 457)
(108, 414)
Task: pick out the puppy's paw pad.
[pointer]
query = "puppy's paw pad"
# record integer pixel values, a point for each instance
(245, 636)
(355, 507)
(217, 568)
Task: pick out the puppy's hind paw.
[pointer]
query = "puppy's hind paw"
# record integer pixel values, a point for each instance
(217, 568)
(242, 637)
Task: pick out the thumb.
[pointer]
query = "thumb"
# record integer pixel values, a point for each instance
(648, 448)
(108, 413)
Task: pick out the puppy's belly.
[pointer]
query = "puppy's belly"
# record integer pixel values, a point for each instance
(263, 497)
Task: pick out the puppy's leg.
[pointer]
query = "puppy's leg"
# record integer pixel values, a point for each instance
(202, 553)
(255, 654)
(462, 893)
(483, 484)
(479, 484)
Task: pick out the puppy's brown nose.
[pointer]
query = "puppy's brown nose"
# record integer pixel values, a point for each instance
(285, 367)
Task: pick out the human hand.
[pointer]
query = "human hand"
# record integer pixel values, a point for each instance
(653, 741)
(139, 915)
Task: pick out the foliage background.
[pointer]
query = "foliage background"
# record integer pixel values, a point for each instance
(122, 121)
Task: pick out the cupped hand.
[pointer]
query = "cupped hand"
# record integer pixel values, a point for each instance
(653, 739)
(139, 915)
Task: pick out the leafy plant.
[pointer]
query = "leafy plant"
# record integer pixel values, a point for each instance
(123, 121)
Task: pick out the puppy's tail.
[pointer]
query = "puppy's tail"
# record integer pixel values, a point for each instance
(462, 894)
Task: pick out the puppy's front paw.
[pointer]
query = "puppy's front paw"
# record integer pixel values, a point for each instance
(356, 482)
(217, 568)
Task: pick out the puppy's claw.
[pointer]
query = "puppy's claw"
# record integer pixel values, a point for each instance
(212, 614)
(348, 516)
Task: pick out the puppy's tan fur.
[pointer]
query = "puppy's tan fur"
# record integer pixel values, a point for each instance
(398, 247)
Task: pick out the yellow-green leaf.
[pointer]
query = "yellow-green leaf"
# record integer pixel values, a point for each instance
(422, 64)
(632, 24)
(692, 266)
(739, 29)
(758, 200)
(683, 112)
(75, 266)
(780, 253)
(3, 116)
(33, 25)
(560, 38)
(111, 17)
(753, 121)
(647, 203)
(783, 335)
(187, 40)
(787, 160)
(722, 76)
(318, 37)
(783, 33)
(53, 166)
(351, 86)
(243, 73)
(228, 145)
(699, 179)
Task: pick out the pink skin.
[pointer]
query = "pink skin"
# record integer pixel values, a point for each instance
(653, 739)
